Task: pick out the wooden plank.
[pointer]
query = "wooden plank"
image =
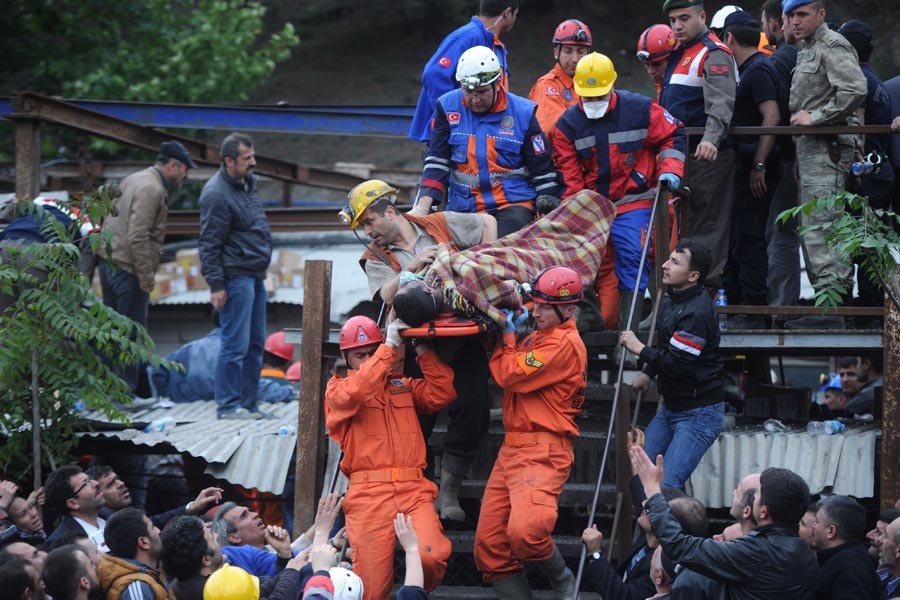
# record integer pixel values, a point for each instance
(623, 471)
(28, 159)
(311, 445)
(890, 432)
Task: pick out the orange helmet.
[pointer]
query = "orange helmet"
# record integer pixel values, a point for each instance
(556, 285)
(573, 32)
(276, 345)
(656, 43)
(293, 372)
(360, 331)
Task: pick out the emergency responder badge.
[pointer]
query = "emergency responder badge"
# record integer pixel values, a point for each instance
(453, 118)
(531, 362)
(507, 122)
(551, 91)
(537, 142)
(445, 62)
(567, 94)
(687, 59)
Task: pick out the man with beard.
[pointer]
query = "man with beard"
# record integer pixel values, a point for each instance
(130, 569)
(138, 229)
(71, 492)
(69, 575)
(190, 554)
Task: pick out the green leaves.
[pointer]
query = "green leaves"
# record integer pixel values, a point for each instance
(79, 343)
(856, 230)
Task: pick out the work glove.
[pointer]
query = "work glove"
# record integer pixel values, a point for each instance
(513, 322)
(407, 276)
(545, 204)
(673, 179)
(393, 338)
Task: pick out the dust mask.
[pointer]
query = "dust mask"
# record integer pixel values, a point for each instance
(595, 109)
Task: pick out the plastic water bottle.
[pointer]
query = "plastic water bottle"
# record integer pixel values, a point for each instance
(775, 426)
(862, 167)
(163, 424)
(722, 300)
(825, 427)
(287, 430)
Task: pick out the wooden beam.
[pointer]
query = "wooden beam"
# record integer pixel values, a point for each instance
(311, 445)
(28, 159)
(623, 471)
(890, 432)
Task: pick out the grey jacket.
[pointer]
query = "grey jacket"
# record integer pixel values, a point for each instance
(234, 232)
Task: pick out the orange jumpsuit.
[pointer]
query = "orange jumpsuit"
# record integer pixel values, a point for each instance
(373, 415)
(543, 380)
(553, 92)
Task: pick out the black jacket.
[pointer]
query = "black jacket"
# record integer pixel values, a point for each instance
(847, 573)
(66, 525)
(189, 589)
(160, 520)
(234, 232)
(622, 582)
(769, 562)
(687, 364)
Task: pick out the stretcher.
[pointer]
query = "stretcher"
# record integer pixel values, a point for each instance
(447, 325)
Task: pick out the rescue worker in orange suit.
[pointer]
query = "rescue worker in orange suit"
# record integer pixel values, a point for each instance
(699, 89)
(372, 413)
(487, 151)
(619, 144)
(554, 92)
(543, 378)
(402, 245)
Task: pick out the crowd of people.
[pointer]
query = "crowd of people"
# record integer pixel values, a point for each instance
(548, 204)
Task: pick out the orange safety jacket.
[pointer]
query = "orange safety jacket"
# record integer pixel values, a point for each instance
(553, 93)
(543, 379)
(373, 414)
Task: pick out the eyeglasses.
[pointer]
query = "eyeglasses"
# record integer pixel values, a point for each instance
(83, 485)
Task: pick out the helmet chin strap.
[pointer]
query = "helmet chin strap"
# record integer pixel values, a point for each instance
(559, 314)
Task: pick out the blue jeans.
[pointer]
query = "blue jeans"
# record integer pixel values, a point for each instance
(243, 321)
(123, 294)
(683, 437)
(627, 234)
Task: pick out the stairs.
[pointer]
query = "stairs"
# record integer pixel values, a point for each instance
(462, 579)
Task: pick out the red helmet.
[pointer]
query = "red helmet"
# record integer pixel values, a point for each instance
(293, 372)
(276, 345)
(360, 331)
(656, 43)
(556, 285)
(573, 33)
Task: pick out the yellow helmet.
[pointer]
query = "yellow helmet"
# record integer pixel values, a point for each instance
(361, 196)
(594, 75)
(231, 583)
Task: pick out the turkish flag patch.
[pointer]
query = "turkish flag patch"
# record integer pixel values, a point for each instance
(719, 69)
(445, 62)
(453, 118)
(537, 142)
(551, 91)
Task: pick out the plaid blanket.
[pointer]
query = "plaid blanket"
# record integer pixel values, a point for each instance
(485, 278)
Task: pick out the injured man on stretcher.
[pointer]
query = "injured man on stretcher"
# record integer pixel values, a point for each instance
(485, 279)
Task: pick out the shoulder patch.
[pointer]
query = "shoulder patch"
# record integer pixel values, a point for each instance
(551, 91)
(567, 94)
(531, 361)
(453, 118)
(669, 117)
(719, 69)
(537, 143)
(445, 62)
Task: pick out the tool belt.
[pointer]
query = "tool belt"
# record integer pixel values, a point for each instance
(538, 437)
(386, 475)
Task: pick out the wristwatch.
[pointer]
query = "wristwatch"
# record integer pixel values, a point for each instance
(760, 166)
(596, 555)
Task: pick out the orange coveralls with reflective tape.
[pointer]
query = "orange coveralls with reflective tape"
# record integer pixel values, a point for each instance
(373, 415)
(543, 379)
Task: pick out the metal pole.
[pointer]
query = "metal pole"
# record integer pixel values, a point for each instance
(640, 394)
(637, 285)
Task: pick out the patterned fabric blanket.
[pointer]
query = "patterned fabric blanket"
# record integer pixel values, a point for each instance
(486, 278)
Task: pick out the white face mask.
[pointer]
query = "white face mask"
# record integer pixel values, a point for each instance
(595, 109)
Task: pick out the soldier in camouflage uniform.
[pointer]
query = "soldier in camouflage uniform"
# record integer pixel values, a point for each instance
(826, 88)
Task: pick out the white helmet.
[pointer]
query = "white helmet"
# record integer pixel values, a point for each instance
(718, 20)
(477, 66)
(347, 584)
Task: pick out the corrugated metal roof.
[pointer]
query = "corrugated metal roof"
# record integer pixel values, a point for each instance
(845, 462)
(248, 453)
